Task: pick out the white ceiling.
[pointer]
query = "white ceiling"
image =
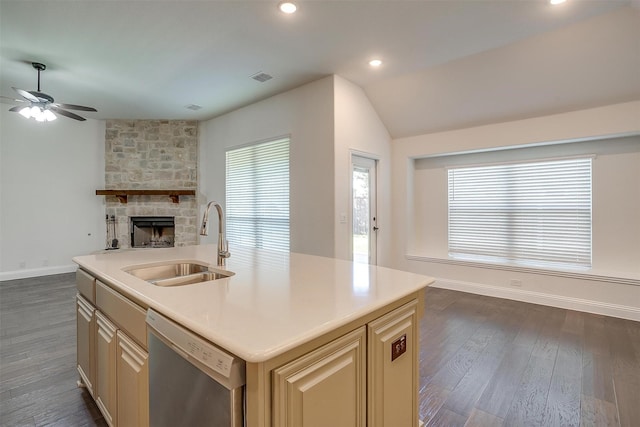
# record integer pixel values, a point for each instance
(447, 63)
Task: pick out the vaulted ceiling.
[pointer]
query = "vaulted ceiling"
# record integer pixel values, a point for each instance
(447, 64)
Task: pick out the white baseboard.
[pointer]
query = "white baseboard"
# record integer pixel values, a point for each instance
(570, 303)
(36, 272)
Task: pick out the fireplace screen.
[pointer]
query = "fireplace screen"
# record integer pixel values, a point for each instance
(152, 231)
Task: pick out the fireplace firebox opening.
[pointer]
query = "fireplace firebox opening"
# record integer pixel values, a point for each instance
(152, 231)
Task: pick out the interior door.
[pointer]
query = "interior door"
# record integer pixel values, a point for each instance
(364, 223)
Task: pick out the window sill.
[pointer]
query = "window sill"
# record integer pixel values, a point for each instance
(599, 276)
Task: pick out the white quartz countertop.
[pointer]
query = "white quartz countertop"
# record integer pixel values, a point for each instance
(274, 302)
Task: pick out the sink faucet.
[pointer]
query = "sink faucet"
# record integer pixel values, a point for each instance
(223, 245)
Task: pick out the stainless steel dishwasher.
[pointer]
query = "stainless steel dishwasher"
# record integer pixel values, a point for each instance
(191, 381)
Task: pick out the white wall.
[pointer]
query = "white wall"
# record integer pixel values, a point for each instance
(49, 212)
(358, 128)
(327, 120)
(614, 288)
(306, 114)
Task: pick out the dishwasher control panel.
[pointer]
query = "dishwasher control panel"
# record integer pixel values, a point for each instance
(186, 342)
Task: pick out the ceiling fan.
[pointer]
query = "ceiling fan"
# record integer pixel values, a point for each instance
(40, 106)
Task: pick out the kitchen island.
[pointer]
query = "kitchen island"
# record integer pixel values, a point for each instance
(279, 312)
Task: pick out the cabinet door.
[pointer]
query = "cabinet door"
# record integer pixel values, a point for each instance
(86, 335)
(106, 368)
(393, 368)
(133, 383)
(325, 387)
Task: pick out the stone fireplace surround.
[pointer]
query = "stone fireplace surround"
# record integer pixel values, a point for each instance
(152, 155)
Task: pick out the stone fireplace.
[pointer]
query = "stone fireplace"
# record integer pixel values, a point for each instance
(152, 155)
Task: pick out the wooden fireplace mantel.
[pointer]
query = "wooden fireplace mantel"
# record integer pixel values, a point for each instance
(174, 195)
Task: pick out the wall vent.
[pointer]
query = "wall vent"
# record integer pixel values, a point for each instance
(261, 77)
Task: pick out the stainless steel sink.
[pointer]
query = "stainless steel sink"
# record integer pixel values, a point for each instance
(189, 279)
(177, 273)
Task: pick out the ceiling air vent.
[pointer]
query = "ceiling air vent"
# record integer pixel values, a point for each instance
(261, 77)
(193, 107)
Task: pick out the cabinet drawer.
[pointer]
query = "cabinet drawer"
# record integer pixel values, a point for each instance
(129, 316)
(86, 285)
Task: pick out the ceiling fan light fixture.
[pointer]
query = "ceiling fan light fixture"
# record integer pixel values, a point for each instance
(25, 112)
(49, 116)
(38, 114)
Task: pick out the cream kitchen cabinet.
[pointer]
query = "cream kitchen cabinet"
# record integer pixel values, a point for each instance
(132, 382)
(366, 377)
(106, 368)
(392, 354)
(336, 373)
(86, 333)
(112, 356)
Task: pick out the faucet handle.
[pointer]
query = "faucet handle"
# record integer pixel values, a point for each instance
(224, 252)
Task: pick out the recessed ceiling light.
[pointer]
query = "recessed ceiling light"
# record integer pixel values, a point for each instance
(375, 62)
(287, 7)
(555, 2)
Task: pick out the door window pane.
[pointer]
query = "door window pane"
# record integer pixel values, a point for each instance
(361, 214)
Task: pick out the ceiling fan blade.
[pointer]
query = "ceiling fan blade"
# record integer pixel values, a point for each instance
(17, 108)
(12, 99)
(26, 95)
(66, 113)
(75, 107)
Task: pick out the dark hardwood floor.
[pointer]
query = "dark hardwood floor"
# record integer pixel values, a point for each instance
(494, 362)
(484, 362)
(38, 355)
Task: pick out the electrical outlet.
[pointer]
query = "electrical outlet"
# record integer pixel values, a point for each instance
(23, 264)
(398, 347)
(516, 283)
(45, 263)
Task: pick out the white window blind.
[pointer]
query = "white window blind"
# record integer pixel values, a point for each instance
(535, 213)
(257, 195)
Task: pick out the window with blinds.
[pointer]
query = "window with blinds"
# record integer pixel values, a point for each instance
(534, 213)
(257, 195)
